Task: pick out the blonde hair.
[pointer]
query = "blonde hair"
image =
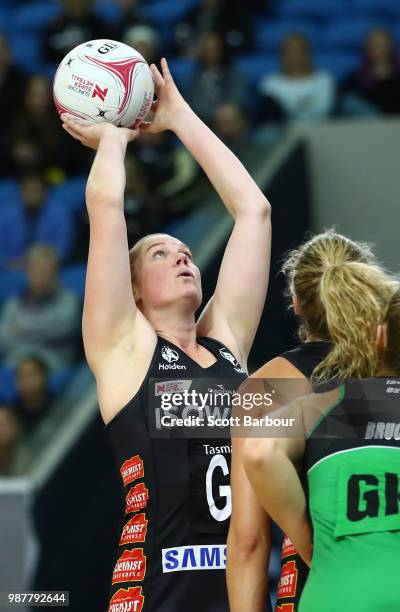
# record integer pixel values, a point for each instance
(343, 294)
(391, 355)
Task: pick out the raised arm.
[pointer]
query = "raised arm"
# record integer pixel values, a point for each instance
(109, 307)
(233, 313)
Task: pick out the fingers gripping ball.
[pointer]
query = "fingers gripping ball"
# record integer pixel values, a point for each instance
(104, 80)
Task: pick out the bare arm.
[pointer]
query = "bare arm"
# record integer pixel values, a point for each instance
(270, 467)
(249, 541)
(233, 313)
(109, 307)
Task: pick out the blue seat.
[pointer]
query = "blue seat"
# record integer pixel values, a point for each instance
(270, 34)
(396, 33)
(26, 50)
(109, 11)
(257, 66)
(73, 278)
(311, 9)
(12, 282)
(379, 8)
(5, 20)
(181, 69)
(339, 64)
(8, 391)
(59, 380)
(9, 192)
(35, 16)
(71, 193)
(347, 34)
(167, 12)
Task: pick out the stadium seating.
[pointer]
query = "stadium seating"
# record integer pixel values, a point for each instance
(311, 9)
(377, 8)
(347, 34)
(34, 16)
(339, 64)
(73, 278)
(269, 34)
(257, 66)
(71, 193)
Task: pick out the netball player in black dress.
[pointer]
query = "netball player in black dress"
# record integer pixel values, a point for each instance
(328, 315)
(139, 323)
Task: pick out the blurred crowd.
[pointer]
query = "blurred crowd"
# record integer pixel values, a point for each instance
(245, 67)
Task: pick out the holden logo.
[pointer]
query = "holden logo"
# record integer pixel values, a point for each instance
(169, 354)
(227, 355)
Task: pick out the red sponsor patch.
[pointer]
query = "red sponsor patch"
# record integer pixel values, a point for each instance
(134, 530)
(127, 600)
(137, 498)
(287, 548)
(130, 566)
(288, 581)
(285, 608)
(132, 469)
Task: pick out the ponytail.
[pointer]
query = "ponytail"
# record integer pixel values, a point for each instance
(354, 296)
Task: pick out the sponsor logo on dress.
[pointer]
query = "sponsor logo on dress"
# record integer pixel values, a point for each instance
(236, 365)
(127, 600)
(132, 469)
(171, 386)
(137, 498)
(288, 581)
(170, 356)
(134, 530)
(187, 558)
(287, 548)
(130, 566)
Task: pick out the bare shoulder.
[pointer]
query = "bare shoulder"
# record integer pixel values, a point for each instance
(279, 367)
(124, 368)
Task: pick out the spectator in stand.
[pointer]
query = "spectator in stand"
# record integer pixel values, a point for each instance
(39, 141)
(171, 172)
(299, 90)
(144, 39)
(34, 399)
(215, 80)
(232, 126)
(45, 320)
(76, 24)
(131, 16)
(375, 87)
(231, 18)
(9, 438)
(12, 86)
(34, 218)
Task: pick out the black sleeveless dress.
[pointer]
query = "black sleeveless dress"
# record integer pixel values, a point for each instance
(172, 549)
(294, 571)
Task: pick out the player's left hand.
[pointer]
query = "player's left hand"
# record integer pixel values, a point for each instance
(169, 100)
(90, 134)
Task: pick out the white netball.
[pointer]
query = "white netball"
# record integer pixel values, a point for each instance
(104, 80)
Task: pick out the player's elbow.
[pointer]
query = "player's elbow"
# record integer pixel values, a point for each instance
(256, 454)
(100, 198)
(245, 541)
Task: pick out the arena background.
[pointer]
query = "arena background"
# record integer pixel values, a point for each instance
(325, 151)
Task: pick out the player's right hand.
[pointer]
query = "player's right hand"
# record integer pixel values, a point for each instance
(90, 134)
